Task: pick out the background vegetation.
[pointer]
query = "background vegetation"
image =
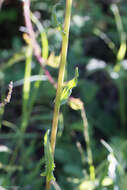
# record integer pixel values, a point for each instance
(97, 46)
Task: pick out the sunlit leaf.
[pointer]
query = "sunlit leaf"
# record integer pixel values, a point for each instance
(68, 88)
(121, 52)
(53, 60)
(75, 103)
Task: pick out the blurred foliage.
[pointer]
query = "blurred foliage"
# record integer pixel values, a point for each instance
(94, 47)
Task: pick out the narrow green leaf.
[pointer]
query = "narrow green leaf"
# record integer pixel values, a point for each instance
(55, 19)
(49, 160)
(67, 90)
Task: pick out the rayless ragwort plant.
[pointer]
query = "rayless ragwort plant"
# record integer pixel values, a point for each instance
(63, 90)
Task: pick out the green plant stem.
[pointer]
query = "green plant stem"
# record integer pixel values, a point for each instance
(26, 89)
(60, 76)
(118, 21)
(48, 185)
(87, 139)
(120, 56)
(26, 92)
(122, 49)
(106, 39)
(61, 72)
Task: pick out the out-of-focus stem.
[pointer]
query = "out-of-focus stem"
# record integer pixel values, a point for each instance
(35, 46)
(120, 56)
(87, 140)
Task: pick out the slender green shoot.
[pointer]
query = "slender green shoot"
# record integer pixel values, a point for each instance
(45, 50)
(106, 39)
(120, 56)
(44, 39)
(25, 98)
(122, 36)
(61, 73)
(26, 88)
(77, 104)
(65, 40)
(87, 139)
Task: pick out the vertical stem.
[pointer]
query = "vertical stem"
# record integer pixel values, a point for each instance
(25, 98)
(122, 49)
(48, 185)
(26, 89)
(87, 139)
(120, 56)
(61, 72)
(118, 20)
(60, 76)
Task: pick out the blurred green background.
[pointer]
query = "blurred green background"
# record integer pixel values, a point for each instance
(97, 46)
